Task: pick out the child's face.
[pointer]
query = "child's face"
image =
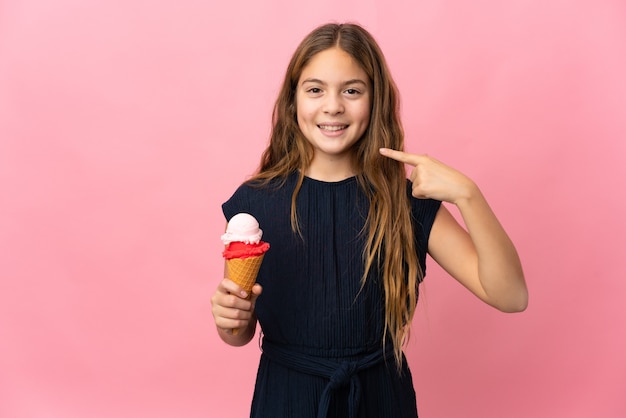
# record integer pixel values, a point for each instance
(333, 101)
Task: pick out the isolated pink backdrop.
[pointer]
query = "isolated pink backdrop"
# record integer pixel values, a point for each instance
(125, 125)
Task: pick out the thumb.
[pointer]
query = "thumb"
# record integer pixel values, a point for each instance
(257, 289)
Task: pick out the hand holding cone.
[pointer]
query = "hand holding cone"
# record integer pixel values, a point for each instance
(244, 251)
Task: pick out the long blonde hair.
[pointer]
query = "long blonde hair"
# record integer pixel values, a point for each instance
(390, 241)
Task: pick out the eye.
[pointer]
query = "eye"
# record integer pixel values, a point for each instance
(314, 90)
(352, 92)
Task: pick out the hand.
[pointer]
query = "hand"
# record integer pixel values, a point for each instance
(481, 256)
(432, 179)
(231, 307)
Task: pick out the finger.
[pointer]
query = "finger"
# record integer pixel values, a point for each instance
(403, 157)
(232, 314)
(227, 303)
(418, 192)
(396, 155)
(227, 323)
(233, 288)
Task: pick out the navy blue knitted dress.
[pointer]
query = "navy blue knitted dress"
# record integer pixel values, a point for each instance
(322, 334)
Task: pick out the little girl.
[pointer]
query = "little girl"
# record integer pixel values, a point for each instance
(349, 235)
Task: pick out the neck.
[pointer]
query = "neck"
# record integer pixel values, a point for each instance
(330, 171)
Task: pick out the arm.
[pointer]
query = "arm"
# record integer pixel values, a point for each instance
(483, 258)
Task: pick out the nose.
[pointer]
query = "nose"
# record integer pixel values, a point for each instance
(333, 104)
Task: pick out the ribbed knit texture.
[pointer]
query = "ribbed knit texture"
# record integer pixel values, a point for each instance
(311, 302)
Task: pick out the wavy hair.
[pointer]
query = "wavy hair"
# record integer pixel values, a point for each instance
(390, 241)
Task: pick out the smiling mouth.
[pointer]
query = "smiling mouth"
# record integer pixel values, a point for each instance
(332, 128)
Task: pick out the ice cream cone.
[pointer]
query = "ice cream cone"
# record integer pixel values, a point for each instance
(244, 251)
(244, 271)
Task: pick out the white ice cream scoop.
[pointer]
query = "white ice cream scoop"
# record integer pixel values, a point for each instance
(242, 227)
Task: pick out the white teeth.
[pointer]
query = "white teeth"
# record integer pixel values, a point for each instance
(332, 128)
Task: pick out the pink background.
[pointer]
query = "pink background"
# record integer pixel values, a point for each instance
(125, 125)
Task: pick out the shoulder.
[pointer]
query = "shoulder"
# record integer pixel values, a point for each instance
(253, 194)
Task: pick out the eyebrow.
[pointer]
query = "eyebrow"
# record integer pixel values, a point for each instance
(343, 84)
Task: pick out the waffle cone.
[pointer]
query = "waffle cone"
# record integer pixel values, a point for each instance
(243, 271)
